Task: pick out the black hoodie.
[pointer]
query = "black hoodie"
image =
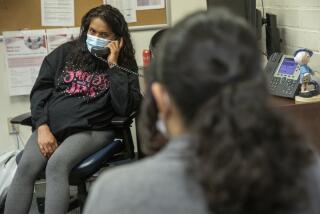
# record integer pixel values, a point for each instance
(70, 99)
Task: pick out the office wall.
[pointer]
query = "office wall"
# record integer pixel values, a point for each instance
(299, 25)
(11, 106)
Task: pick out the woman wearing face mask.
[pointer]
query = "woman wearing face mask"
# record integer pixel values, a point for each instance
(228, 151)
(75, 95)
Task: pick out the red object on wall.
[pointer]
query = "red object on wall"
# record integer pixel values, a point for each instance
(146, 55)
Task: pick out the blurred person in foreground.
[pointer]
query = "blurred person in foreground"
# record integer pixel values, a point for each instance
(229, 152)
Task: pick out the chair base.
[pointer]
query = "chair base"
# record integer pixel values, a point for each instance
(76, 201)
(74, 204)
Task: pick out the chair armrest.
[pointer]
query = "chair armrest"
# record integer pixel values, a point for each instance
(119, 121)
(22, 119)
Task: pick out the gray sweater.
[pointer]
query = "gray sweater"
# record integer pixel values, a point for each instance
(159, 185)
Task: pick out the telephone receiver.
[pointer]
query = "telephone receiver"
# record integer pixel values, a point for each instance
(100, 51)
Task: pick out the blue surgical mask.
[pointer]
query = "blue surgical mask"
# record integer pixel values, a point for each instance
(94, 41)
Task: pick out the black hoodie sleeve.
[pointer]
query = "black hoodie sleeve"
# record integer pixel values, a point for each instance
(41, 93)
(124, 90)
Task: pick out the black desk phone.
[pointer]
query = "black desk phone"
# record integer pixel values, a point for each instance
(283, 75)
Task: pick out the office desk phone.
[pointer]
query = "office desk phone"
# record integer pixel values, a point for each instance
(283, 75)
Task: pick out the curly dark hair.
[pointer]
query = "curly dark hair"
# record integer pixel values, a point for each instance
(80, 56)
(247, 158)
(155, 40)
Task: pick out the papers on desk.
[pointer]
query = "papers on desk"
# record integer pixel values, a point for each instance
(24, 51)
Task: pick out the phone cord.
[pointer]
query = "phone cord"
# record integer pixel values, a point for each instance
(120, 67)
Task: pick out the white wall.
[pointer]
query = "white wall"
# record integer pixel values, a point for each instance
(299, 24)
(179, 9)
(12, 106)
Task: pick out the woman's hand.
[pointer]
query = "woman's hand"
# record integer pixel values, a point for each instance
(115, 47)
(46, 140)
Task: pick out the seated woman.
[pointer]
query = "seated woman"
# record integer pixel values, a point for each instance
(72, 102)
(229, 152)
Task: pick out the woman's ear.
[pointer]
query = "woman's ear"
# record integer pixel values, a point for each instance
(162, 99)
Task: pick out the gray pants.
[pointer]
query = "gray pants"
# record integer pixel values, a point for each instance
(69, 153)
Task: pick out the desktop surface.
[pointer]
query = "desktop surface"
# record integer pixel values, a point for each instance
(306, 116)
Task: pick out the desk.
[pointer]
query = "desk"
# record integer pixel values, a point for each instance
(306, 116)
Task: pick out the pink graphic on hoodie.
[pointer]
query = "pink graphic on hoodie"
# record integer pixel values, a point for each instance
(83, 83)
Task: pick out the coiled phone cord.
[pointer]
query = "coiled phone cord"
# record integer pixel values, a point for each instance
(120, 67)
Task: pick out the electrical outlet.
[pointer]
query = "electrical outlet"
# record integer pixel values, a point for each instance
(13, 128)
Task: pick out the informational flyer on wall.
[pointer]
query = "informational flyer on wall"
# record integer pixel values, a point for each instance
(57, 12)
(127, 7)
(56, 37)
(150, 4)
(24, 51)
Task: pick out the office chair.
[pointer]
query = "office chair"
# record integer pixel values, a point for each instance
(120, 150)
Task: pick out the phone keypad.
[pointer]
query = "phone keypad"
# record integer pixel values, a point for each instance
(281, 86)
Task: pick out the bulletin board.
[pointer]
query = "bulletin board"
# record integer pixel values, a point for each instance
(26, 14)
